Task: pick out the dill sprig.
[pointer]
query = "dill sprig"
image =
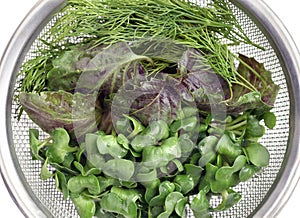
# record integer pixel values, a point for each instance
(106, 22)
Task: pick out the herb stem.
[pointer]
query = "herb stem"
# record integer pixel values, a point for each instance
(236, 126)
(239, 119)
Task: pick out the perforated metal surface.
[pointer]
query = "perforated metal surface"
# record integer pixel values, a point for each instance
(253, 191)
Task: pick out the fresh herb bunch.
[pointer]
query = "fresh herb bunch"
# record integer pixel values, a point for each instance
(133, 95)
(98, 23)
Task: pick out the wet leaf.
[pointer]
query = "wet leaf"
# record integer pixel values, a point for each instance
(247, 172)
(122, 202)
(160, 156)
(86, 170)
(227, 148)
(225, 172)
(253, 128)
(142, 141)
(165, 188)
(158, 129)
(186, 183)
(170, 203)
(180, 207)
(152, 189)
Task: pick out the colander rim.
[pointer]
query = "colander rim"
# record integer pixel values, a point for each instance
(15, 181)
(288, 55)
(10, 62)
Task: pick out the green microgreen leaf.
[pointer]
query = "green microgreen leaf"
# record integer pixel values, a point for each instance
(45, 173)
(79, 183)
(85, 206)
(61, 184)
(257, 154)
(225, 172)
(227, 148)
(186, 183)
(152, 189)
(86, 170)
(158, 129)
(119, 168)
(160, 156)
(229, 199)
(247, 172)
(254, 129)
(36, 145)
(59, 148)
(186, 144)
(200, 205)
(269, 119)
(170, 203)
(141, 141)
(123, 141)
(107, 144)
(137, 126)
(165, 188)
(180, 207)
(114, 202)
(187, 124)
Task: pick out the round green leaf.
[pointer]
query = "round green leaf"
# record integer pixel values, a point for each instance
(257, 154)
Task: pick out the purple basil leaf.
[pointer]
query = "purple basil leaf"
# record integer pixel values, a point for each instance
(153, 99)
(210, 89)
(109, 69)
(202, 82)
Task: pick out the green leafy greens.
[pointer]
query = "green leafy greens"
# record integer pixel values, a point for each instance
(158, 181)
(146, 106)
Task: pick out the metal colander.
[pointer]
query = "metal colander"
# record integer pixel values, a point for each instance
(263, 196)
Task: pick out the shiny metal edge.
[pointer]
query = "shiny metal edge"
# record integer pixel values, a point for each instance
(10, 63)
(289, 57)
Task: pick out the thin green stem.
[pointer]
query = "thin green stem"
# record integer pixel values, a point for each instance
(253, 71)
(236, 126)
(239, 119)
(44, 143)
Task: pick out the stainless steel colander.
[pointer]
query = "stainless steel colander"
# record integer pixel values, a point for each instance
(263, 196)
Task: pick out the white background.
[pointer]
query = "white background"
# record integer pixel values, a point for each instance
(13, 11)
